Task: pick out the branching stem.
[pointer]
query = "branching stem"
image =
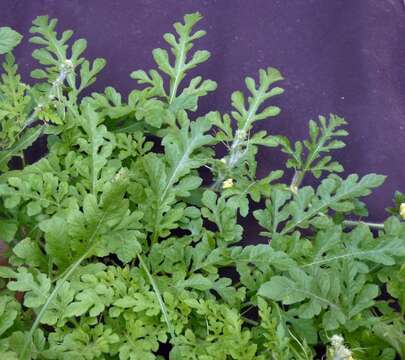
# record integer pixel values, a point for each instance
(66, 68)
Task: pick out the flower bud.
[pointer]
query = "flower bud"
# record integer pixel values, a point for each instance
(402, 210)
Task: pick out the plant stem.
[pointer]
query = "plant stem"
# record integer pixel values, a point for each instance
(23, 162)
(353, 223)
(65, 69)
(297, 180)
(250, 321)
(158, 296)
(28, 342)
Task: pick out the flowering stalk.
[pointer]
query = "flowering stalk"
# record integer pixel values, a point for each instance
(237, 151)
(66, 68)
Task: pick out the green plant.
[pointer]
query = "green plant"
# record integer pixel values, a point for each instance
(117, 249)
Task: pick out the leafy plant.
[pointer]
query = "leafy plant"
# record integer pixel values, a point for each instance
(117, 247)
(9, 39)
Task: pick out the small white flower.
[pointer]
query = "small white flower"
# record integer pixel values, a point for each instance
(336, 340)
(339, 350)
(294, 189)
(227, 183)
(345, 353)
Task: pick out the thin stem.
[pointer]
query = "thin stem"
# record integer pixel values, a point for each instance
(28, 342)
(65, 277)
(250, 321)
(353, 223)
(299, 343)
(158, 296)
(23, 162)
(248, 309)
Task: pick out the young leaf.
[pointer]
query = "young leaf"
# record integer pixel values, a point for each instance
(9, 39)
(181, 44)
(245, 115)
(322, 139)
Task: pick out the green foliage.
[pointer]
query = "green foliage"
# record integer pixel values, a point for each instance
(14, 111)
(399, 199)
(9, 39)
(53, 55)
(180, 45)
(13, 101)
(117, 245)
(322, 139)
(239, 163)
(307, 207)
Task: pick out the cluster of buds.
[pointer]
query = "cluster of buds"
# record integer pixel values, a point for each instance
(238, 148)
(66, 68)
(237, 151)
(339, 351)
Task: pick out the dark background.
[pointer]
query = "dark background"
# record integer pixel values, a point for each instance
(340, 56)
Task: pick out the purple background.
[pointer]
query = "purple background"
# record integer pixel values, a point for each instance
(341, 56)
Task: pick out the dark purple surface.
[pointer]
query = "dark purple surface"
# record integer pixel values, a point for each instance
(346, 57)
